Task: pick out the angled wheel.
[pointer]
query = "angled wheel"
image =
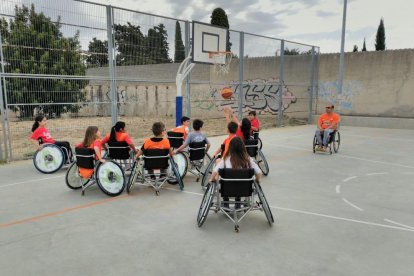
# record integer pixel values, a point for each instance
(265, 204)
(207, 173)
(48, 159)
(262, 162)
(176, 174)
(205, 204)
(181, 162)
(73, 179)
(314, 144)
(336, 142)
(110, 178)
(260, 144)
(136, 169)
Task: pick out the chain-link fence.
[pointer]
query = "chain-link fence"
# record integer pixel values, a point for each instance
(85, 64)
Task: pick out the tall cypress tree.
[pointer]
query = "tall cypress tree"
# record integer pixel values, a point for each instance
(219, 18)
(364, 46)
(179, 53)
(380, 38)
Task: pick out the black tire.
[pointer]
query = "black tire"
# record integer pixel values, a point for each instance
(49, 159)
(73, 179)
(133, 176)
(336, 142)
(265, 204)
(205, 204)
(116, 173)
(262, 162)
(314, 144)
(183, 172)
(260, 144)
(176, 174)
(207, 173)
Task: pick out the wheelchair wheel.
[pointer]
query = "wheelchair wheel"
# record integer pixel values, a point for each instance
(175, 175)
(110, 178)
(265, 204)
(260, 144)
(136, 170)
(73, 179)
(207, 173)
(262, 162)
(314, 144)
(336, 142)
(49, 159)
(181, 161)
(205, 204)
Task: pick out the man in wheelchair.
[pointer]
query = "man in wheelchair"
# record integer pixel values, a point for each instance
(327, 124)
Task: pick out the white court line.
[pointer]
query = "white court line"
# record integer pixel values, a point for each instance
(349, 178)
(28, 181)
(379, 173)
(338, 189)
(352, 205)
(400, 224)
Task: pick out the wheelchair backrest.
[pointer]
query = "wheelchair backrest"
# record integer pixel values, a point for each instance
(118, 150)
(156, 158)
(85, 158)
(197, 150)
(255, 134)
(236, 182)
(176, 139)
(252, 146)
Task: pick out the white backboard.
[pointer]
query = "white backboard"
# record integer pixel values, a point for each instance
(208, 38)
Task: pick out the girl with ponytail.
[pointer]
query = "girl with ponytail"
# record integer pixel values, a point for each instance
(118, 134)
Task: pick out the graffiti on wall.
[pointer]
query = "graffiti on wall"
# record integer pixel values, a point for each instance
(258, 94)
(328, 91)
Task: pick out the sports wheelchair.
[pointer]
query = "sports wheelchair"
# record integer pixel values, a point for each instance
(109, 175)
(51, 157)
(252, 147)
(333, 142)
(176, 140)
(121, 153)
(153, 168)
(234, 183)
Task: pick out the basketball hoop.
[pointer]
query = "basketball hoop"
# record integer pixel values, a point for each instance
(221, 61)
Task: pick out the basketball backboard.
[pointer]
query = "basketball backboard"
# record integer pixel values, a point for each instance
(207, 38)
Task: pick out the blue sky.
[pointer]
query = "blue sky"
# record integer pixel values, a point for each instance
(316, 22)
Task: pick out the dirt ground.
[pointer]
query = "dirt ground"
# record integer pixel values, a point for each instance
(73, 129)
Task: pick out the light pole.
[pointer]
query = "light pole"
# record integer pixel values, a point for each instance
(341, 59)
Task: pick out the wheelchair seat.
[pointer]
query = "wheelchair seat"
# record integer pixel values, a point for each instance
(237, 184)
(156, 159)
(176, 139)
(118, 150)
(197, 150)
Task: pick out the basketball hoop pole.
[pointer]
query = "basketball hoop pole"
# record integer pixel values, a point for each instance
(185, 68)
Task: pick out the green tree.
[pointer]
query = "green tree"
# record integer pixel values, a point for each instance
(130, 44)
(98, 53)
(157, 45)
(364, 46)
(380, 37)
(291, 52)
(33, 44)
(355, 48)
(219, 18)
(179, 54)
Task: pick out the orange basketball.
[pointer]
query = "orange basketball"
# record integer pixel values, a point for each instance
(226, 93)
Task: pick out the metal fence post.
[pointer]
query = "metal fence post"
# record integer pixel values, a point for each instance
(281, 83)
(4, 114)
(312, 85)
(188, 78)
(111, 63)
(241, 74)
(3, 125)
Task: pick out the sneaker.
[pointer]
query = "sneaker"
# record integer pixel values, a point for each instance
(323, 149)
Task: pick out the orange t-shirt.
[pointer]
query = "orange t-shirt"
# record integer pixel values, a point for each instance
(226, 143)
(156, 143)
(87, 173)
(181, 129)
(326, 120)
(119, 136)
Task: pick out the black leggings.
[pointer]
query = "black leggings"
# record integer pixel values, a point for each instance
(66, 145)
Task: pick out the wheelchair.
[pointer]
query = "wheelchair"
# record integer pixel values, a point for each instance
(121, 153)
(333, 142)
(109, 176)
(50, 158)
(176, 140)
(237, 184)
(252, 147)
(153, 168)
(256, 136)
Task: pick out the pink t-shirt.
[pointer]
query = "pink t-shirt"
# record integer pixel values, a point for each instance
(43, 134)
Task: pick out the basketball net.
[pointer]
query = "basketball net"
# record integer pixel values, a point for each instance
(221, 61)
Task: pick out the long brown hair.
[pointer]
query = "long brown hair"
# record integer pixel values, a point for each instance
(90, 136)
(239, 158)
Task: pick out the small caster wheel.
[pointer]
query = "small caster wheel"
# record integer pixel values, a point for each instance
(236, 229)
(83, 193)
(197, 179)
(157, 193)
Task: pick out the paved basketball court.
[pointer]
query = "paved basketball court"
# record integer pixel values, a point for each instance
(349, 213)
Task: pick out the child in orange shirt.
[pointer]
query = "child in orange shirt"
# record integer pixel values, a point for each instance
(156, 142)
(118, 134)
(92, 141)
